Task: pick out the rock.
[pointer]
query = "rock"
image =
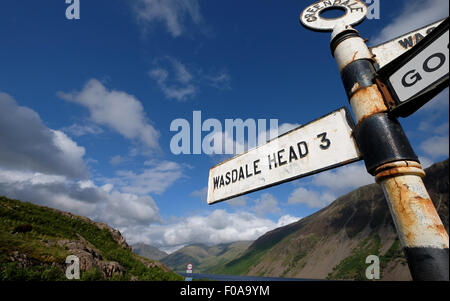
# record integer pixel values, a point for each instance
(22, 260)
(117, 236)
(111, 268)
(90, 257)
(22, 229)
(153, 264)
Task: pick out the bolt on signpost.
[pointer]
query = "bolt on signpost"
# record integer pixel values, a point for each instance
(377, 97)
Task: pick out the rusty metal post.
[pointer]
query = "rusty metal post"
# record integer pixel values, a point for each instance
(389, 157)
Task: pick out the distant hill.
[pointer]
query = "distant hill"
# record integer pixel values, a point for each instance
(148, 251)
(334, 242)
(35, 241)
(206, 259)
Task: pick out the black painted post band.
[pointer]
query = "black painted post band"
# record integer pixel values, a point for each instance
(360, 74)
(428, 264)
(381, 140)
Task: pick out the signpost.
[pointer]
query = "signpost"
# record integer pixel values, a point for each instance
(388, 51)
(412, 77)
(317, 146)
(189, 268)
(415, 77)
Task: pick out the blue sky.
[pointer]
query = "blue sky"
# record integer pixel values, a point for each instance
(86, 107)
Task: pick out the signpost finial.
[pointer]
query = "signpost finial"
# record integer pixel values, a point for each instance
(354, 12)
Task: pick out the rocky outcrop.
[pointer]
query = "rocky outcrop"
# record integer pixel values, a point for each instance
(90, 257)
(22, 260)
(117, 236)
(153, 264)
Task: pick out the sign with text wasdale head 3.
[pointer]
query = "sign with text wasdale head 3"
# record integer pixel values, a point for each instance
(323, 144)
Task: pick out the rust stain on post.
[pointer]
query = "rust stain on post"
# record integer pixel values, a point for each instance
(414, 214)
(367, 102)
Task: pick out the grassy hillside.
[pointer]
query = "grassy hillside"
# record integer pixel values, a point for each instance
(41, 253)
(206, 259)
(334, 242)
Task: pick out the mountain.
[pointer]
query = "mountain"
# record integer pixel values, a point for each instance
(334, 242)
(35, 242)
(206, 259)
(148, 251)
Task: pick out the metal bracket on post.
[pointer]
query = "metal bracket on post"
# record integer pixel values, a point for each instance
(386, 150)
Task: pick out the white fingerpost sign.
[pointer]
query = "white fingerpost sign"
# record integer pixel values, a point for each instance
(417, 76)
(323, 144)
(389, 51)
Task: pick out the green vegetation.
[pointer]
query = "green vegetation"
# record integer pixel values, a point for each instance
(242, 265)
(305, 246)
(92, 275)
(354, 266)
(40, 245)
(395, 252)
(11, 271)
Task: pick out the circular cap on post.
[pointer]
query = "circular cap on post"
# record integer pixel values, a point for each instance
(354, 12)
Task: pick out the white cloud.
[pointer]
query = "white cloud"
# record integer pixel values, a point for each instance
(78, 130)
(179, 82)
(155, 179)
(343, 179)
(428, 126)
(310, 198)
(434, 126)
(117, 160)
(219, 81)
(425, 162)
(179, 91)
(27, 144)
(273, 133)
(266, 204)
(438, 105)
(118, 110)
(238, 202)
(174, 14)
(73, 153)
(125, 209)
(201, 193)
(436, 146)
(326, 187)
(103, 203)
(181, 72)
(287, 220)
(219, 226)
(415, 14)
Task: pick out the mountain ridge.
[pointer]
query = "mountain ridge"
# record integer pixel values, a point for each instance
(148, 251)
(334, 242)
(204, 258)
